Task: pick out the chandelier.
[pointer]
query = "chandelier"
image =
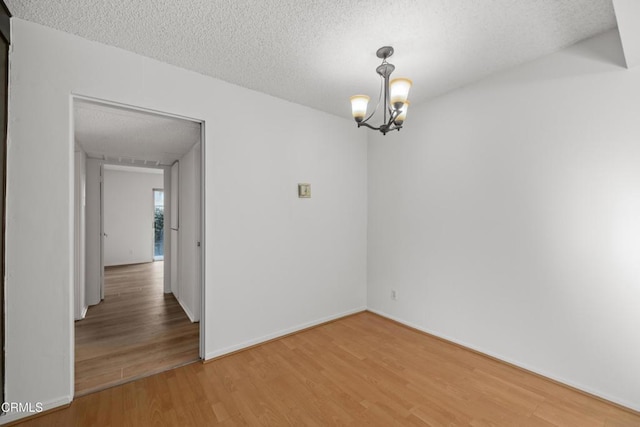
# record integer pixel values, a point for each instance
(394, 92)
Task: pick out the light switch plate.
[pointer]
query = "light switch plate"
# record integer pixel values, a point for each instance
(304, 191)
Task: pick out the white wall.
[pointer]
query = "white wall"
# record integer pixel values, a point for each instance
(128, 215)
(507, 217)
(188, 277)
(273, 263)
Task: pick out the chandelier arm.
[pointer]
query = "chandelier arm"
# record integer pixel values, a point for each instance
(394, 115)
(386, 97)
(368, 125)
(377, 105)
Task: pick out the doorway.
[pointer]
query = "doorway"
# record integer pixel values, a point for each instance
(137, 321)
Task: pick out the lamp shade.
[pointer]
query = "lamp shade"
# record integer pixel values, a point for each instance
(359, 106)
(399, 91)
(403, 114)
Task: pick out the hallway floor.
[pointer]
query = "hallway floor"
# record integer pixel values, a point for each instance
(137, 330)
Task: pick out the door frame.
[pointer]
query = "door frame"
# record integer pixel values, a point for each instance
(202, 271)
(5, 35)
(102, 235)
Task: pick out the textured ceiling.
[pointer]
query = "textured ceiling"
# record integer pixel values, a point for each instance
(132, 137)
(318, 53)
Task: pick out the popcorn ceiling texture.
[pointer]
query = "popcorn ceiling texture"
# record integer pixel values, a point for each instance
(318, 53)
(132, 137)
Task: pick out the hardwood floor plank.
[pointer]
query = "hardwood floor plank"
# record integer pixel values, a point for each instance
(137, 330)
(361, 370)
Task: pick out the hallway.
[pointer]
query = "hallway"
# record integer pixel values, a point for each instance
(137, 330)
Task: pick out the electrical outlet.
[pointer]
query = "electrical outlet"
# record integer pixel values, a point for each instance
(394, 295)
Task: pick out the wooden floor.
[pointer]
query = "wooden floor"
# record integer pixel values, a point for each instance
(137, 330)
(362, 370)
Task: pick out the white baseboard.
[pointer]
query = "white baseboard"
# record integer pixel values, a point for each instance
(187, 311)
(605, 396)
(280, 333)
(83, 313)
(46, 406)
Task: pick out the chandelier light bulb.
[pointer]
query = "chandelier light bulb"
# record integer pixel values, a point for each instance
(399, 91)
(359, 107)
(403, 114)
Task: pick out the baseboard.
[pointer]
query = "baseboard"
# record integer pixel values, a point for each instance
(83, 313)
(279, 334)
(130, 262)
(187, 311)
(50, 406)
(623, 404)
